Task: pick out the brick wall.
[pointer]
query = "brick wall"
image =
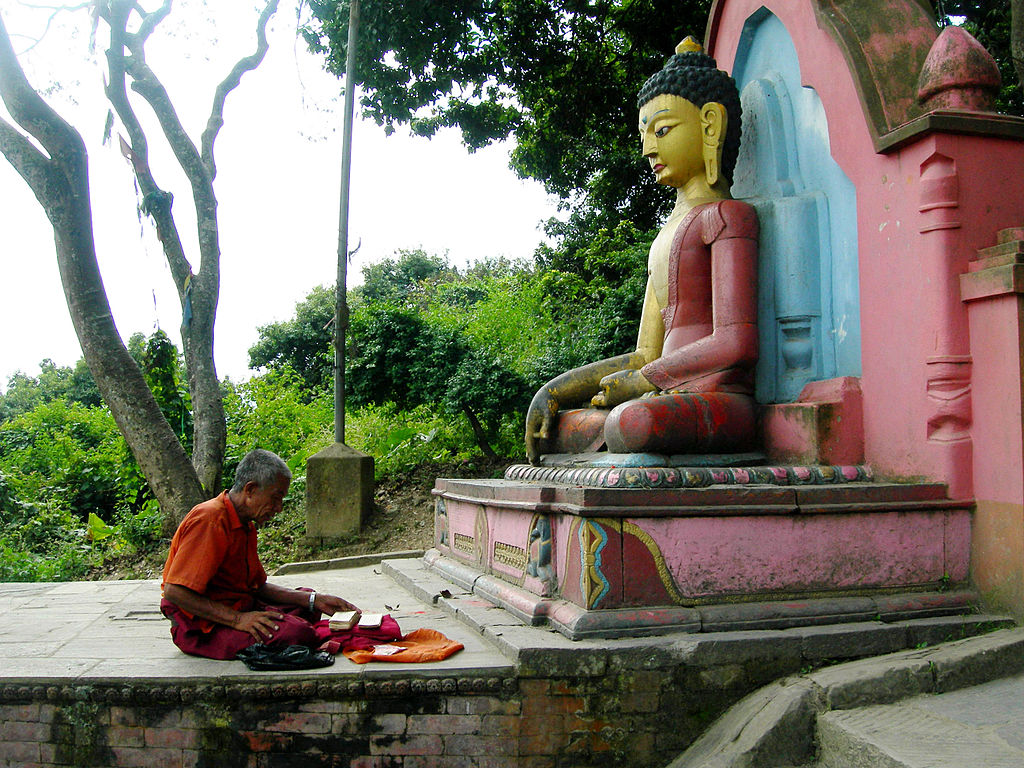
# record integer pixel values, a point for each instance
(631, 718)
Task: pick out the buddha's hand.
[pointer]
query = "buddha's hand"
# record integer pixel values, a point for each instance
(621, 386)
(540, 420)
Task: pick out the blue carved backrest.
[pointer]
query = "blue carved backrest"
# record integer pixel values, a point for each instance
(808, 303)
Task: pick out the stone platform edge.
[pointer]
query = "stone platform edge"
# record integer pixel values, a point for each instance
(551, 496)
(272, 686)
(487, 601)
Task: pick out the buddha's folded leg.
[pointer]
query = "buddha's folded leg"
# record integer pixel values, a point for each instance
(579, 430)
(706, 422)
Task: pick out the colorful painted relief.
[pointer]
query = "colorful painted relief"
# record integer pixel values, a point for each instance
(540, 565)
(594, 585)
(615, 564)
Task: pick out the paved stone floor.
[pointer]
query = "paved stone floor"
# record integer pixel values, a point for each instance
(86, 631)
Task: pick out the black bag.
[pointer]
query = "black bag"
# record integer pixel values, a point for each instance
(259, 657)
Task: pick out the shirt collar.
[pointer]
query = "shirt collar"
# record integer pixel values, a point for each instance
(233, 518)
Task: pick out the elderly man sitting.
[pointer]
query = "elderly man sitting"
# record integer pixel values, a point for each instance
(215, 591)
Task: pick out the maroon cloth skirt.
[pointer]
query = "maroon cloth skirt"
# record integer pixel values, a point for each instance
(223, 642)
(299, 626)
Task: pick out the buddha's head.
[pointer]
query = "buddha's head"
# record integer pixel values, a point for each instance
(690, 119)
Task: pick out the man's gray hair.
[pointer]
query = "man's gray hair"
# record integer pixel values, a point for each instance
(260, 467)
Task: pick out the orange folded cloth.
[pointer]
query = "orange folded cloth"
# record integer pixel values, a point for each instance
(419, 645)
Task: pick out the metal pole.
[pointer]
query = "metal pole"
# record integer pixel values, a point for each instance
(340, 299)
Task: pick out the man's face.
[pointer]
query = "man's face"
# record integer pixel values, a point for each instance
(263, 504)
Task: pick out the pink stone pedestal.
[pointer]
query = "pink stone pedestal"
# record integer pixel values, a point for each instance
(605, 562)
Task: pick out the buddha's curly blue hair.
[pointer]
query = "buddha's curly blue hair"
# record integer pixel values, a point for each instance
(695, 76)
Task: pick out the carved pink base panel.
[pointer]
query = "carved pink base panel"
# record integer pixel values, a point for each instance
(745, 554)
(607, 557)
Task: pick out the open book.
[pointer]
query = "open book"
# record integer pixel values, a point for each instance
(348, 619)
(371, 620)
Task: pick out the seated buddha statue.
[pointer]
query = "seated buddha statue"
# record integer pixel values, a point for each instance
(688, 386)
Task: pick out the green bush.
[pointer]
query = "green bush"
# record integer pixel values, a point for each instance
(39, 543)
(22, 565)
(140, 530)
(67, 455)
(60, 463)
(399, 440)
(271, 412)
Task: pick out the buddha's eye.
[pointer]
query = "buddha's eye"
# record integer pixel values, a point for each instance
(662, 131)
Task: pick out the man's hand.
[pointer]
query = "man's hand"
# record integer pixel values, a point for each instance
(331, 604)
(260, 624)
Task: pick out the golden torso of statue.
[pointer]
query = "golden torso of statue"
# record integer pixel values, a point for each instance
(689, 298)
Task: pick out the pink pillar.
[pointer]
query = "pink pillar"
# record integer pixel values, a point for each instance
(946, 349)
(993, 290)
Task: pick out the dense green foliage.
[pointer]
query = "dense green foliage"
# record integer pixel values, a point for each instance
(70, 490)
(472, 344)
(497, 69)
(302, 344)
(25, 392)
(559, 76)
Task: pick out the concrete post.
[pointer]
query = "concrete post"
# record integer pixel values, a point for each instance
(339, 493)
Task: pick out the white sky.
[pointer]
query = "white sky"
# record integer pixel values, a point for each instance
(278, 160)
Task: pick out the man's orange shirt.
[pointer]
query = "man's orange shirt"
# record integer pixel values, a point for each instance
(214, 553)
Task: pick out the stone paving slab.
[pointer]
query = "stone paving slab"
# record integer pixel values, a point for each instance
(104, 630)
(997, 706)
(979, 726)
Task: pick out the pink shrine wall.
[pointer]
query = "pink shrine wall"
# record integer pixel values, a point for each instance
(941, 377)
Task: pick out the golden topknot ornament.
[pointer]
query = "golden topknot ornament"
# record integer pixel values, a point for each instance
(690, 45)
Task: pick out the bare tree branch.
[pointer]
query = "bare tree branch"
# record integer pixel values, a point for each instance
(61, 184)
(57, 9)
(127, 59)
(31, 164)
(28, 109)
(150, 21)
(229, 83)
(156, 200)
(148, 85)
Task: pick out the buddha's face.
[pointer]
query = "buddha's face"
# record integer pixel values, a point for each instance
(670, 129)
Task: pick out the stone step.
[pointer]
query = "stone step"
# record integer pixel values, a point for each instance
(845, 712)
(907, 736)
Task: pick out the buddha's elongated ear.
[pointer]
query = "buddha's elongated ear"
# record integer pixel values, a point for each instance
(713, 118)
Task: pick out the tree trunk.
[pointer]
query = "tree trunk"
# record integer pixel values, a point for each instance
(480, 433)
(60, 181)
